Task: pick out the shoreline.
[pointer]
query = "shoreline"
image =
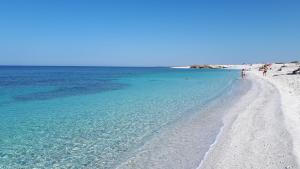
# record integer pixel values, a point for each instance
(258, 136)
(259, 129)
(180, 145)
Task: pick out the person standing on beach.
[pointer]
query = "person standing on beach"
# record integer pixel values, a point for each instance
(243, 74)
(265, 71)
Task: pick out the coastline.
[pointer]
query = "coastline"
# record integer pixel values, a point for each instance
(260, 129)
(183, 144)
(174, 95)
(264, 133)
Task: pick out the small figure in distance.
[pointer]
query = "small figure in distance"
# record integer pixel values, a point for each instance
(265, 71)
(243, 74)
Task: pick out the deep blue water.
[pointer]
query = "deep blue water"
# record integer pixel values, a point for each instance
(93, 116)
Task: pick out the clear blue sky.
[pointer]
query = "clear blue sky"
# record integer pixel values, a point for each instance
(148, 32)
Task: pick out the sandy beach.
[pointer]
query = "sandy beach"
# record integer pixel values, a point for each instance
(263, 130)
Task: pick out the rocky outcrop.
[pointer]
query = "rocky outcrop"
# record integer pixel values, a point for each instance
(201, 67)
(295, 72)
(207, 67)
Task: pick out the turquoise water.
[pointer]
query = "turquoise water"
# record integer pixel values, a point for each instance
(93, 117)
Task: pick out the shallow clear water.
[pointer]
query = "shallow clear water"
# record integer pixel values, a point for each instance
(94, 116)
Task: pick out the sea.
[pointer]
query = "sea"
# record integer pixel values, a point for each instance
(109, 117)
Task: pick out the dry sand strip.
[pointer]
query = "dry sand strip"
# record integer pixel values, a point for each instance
(257, 137)
(289, 89)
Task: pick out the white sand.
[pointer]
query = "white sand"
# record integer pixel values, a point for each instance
(263, 130)
(289, 88)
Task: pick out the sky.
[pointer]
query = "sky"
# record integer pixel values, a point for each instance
(148, 32)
